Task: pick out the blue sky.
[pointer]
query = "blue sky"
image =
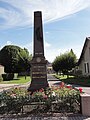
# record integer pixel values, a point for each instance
(66, 24)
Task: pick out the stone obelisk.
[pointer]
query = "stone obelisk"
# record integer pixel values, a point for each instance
(38, 63)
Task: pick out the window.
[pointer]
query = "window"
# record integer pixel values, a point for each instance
(86, 67)
(89, 50)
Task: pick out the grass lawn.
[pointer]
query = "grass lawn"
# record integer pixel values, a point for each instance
(73, 80)
(20, 80)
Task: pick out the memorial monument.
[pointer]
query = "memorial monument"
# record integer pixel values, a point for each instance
(38, 63)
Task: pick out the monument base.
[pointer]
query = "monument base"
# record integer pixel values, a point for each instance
(38, 75)
(37, 87)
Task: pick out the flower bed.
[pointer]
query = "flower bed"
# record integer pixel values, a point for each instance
(54, 99)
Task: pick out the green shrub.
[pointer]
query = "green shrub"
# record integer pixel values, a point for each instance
(53, 98)
(8, 76)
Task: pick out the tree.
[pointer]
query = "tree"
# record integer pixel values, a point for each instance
(65, 62)
(55, 64)
(14, 59)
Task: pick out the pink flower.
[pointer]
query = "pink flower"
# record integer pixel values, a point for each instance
(45, 96)
(13, 95)
(80, 89)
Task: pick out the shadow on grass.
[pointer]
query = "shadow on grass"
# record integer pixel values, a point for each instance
(10, 80)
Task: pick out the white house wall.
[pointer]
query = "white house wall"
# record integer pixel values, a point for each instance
(85, 59)
(81, 67)
(1, 70)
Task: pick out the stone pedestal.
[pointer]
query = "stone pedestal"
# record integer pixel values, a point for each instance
(38, 74)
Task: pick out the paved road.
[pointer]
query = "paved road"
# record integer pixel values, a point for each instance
(8, 86)
(54, 81)
(51, 80)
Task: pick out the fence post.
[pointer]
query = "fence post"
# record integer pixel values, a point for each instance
(85, 104)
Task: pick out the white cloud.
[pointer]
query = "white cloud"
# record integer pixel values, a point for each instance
(77, 50)
(19, 13)
(47, 32)
(0, 47)
(51, 54)
(8, 43)
(50, 51)
(47, 45)
(29, 47)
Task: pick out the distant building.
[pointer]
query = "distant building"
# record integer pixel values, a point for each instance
(84, 60)
(1, 69)
(49, 68)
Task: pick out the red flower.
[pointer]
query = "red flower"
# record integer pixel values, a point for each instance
(80, 89)
(62, 84)
(41, 90)
(69, 86)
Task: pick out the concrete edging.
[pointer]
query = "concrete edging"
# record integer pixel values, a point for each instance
(85, 104)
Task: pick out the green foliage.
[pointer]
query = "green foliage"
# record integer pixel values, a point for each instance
(56, 64)
(65, 62)
(44, 100)
(82, 81)
(15, 59)
(8, 76)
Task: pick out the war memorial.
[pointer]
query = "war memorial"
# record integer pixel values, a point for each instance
(38, 63)
(63, 99)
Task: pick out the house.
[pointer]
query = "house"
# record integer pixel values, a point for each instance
(84, 60)
(1, 69)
